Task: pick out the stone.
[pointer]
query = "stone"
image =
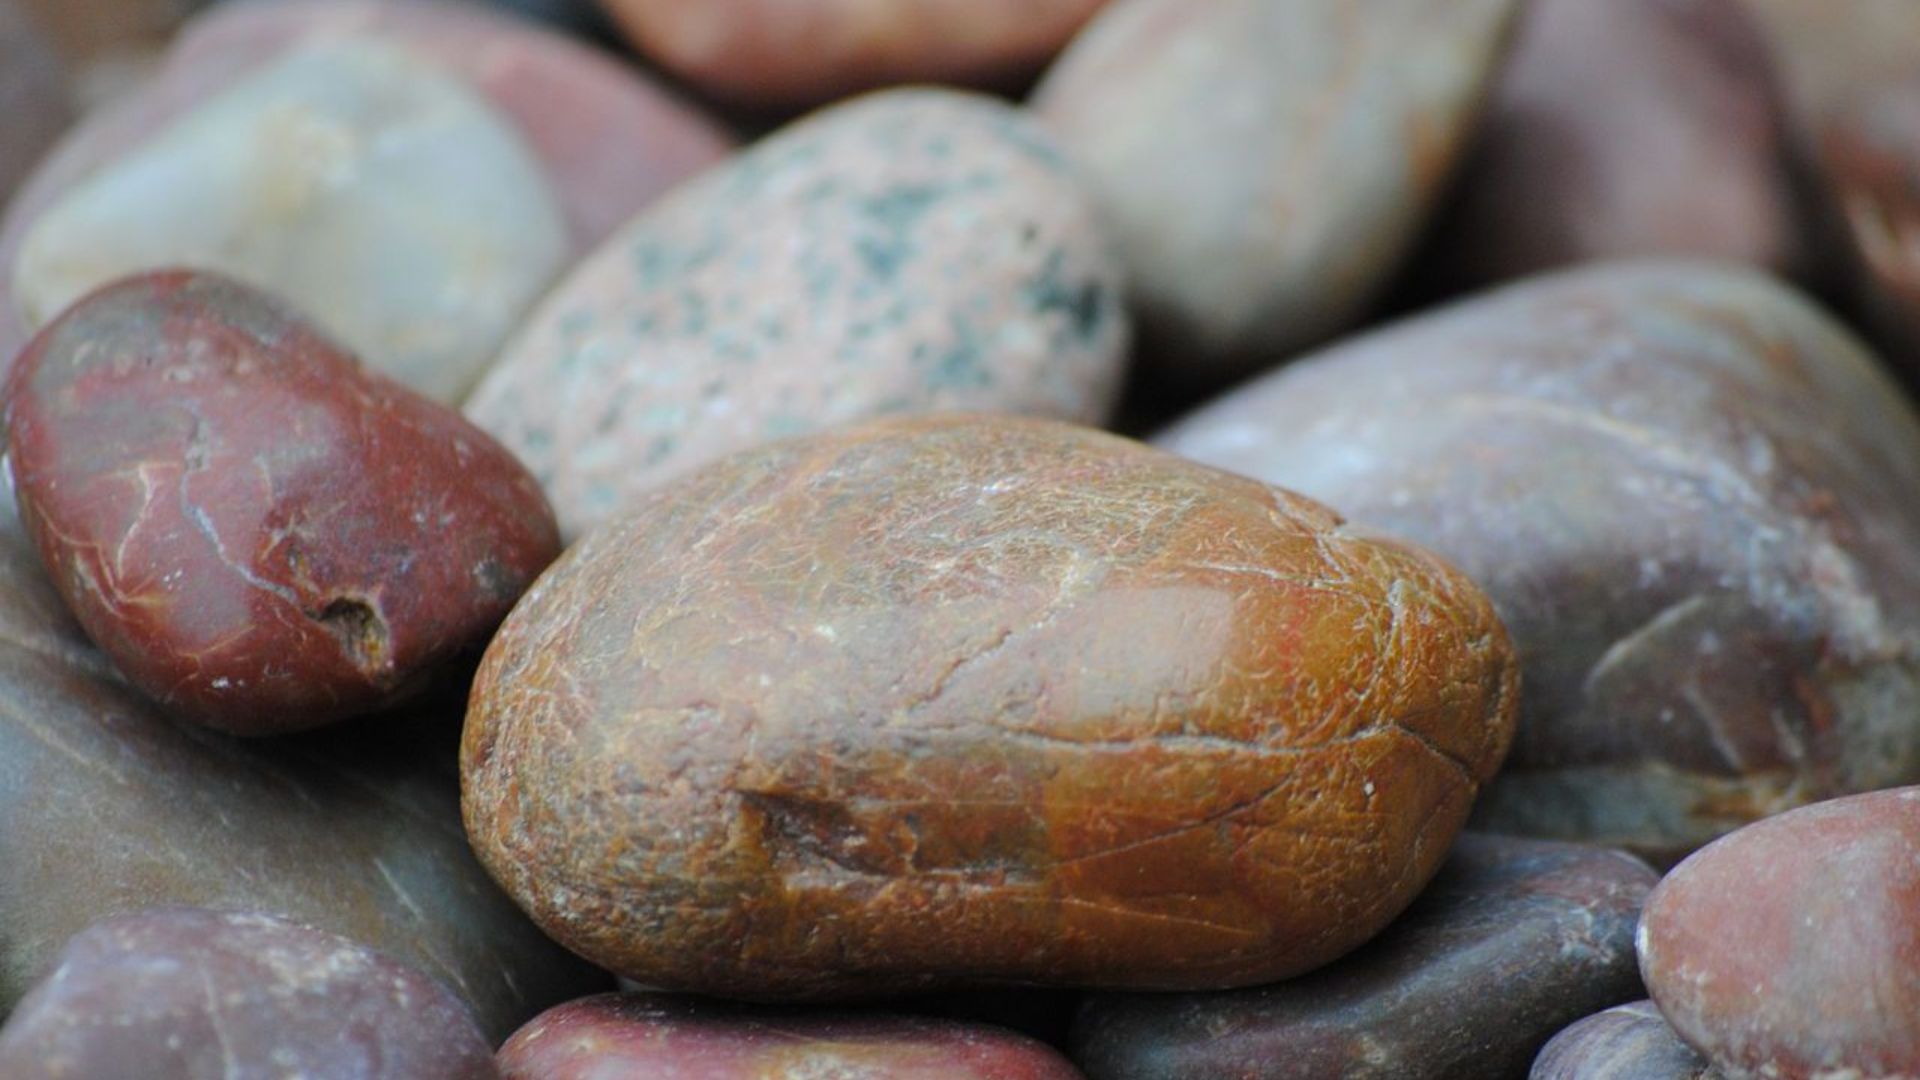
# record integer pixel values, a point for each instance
(379, 195)
(1694, 499)
(909, 252)
(674, 1039)
(960, 700)
(178, 994)
(1267, 164)
(1645, 127)
(794, 53)
(107, 808)
(34, 102)
(1626, 1042)
(262, 536)
(1816, 974)
(1512, 941)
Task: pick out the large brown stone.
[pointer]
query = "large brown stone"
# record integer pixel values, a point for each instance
(1695, 500)
(974, 700)
(1790, 950)
(1512, 941)
(263, 536)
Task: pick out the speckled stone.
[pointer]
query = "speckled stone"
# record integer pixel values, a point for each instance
(263, 536)
(608, 141)
(1695, 500)
(909, 252)
(661, 1038)
(1622, 128)
(1512, 941)
(183, 994)
(960, 700)
(107, 808)
(785, 53)
(1268, 163)
(1790, 950)
(34, 103)
(1626, 1042)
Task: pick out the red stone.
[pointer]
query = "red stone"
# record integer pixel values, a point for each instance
(262, 536)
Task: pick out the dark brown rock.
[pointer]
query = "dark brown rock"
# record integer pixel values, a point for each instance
(262, 536)
(1628, 127)
(1512, 941)
(1790, 950)
(179, 994)
(1695, 500)
(1627, 1042)
(34, 102)
(976, 700)
(634, 1035)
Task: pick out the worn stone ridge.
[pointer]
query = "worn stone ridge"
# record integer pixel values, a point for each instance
(972, 700)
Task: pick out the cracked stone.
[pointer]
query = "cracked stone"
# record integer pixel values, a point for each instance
(655, 1036)
(179, 994)
(1512, 941)
(1694, 498)
(260, 534)
(956, 701)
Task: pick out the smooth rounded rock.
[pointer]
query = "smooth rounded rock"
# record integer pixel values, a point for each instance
(1643, 127)
(608, 140)
(786, 53)
(1626, 1042)
(634, 1035)
(380, 195)
(968, 700)
(1512, 941)
(180, 994)
(1694, 499)
(1268, 163)
(1814, 975)
(34, 102)
(261, 535)
(908, 252)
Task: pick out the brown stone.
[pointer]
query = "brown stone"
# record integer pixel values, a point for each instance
(974, 700)
(184, 993)
(787, 53)
(1628, 127)
(635, 1035)
(261, 535)
(1695, 500)
(1790, 950)
(1267, 164)
(1513, 940)
(1627, 1042)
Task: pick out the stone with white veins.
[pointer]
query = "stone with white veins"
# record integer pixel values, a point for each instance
(379, 195)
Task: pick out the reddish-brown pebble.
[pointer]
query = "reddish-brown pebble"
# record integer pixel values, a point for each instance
(261, 535)
(1627, 1042)
(973, 700)
(1790, 950)
(185, 994)
(661, 1038)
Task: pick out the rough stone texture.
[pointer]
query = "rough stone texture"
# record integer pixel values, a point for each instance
(1627, 1042)
(1627, 127)
(1512, 941)
(785, 53)
(633, 1035)
(914, 251)
(973, 700)
(1695, 501)
(1267, 163)
(183, 994)
(34, 105)
(377, 193)
(609, 141)
(1791, 949)
(106, 808)
(262, 536)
